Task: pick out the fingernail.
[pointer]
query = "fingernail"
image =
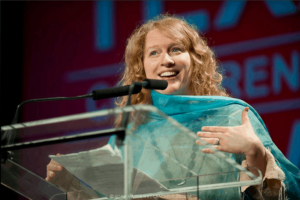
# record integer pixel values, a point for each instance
(247, 109)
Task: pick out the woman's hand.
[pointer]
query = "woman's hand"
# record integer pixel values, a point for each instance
(58, 177)
(238, 139)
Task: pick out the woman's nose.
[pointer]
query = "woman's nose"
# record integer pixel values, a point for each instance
(167, 60)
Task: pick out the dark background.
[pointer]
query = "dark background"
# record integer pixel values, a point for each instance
(16, 79)
(12, 16)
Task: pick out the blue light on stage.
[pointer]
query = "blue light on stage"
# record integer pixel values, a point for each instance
(104, 19)
(200, 18)
(293, 152)
(152, 9)
(229, 14)
(281, 71)
(280, 8)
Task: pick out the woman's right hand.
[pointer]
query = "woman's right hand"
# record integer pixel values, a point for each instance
(55, 172)
(59, 176)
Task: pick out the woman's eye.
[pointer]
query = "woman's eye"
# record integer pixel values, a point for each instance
(153, 53)
(176, 49)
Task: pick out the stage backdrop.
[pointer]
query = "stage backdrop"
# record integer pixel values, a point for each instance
(72, 48)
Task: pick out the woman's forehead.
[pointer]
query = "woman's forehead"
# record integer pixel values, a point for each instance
(158, 37)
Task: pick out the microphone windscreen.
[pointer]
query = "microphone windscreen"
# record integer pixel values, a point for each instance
(155, 84)
(114, 92)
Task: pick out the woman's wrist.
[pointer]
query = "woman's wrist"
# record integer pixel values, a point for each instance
(256, 148)
(257, 158)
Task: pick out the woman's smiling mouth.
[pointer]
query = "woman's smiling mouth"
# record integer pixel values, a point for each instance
(169, 74)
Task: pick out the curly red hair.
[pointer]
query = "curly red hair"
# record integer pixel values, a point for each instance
(204, 72)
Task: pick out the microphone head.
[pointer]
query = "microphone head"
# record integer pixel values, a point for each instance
(155, 84)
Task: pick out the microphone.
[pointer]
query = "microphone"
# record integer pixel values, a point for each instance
(114, 92)
(104, 93)
(155, 84)
(124, 90)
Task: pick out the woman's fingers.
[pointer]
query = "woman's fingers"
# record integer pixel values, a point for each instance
(50, 174)
(54, 167)
(218, 147)
(245, 117)
(221, 129)
(208, 140)
(209, 134)
(51, 169)
(207, 151)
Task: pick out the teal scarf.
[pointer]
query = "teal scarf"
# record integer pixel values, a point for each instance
(168, 155)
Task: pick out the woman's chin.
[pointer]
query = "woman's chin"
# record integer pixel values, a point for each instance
(170, 91)
(162, 92)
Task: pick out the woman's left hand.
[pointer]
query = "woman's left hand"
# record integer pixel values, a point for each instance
(238, 139)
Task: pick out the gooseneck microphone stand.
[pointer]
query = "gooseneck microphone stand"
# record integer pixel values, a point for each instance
(8, 137)
(125, 116)
(15, 120)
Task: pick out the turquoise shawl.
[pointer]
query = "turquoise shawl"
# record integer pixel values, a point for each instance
(161, 151)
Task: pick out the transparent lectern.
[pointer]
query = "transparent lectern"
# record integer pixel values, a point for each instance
(159, 158)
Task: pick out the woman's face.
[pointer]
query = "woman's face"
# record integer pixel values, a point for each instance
(164, 59)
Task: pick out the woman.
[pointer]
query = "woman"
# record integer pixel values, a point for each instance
(170, 49)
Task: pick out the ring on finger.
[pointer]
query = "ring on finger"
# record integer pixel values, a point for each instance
(217, 141)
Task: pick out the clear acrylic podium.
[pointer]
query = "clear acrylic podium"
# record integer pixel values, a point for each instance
(159, 158)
